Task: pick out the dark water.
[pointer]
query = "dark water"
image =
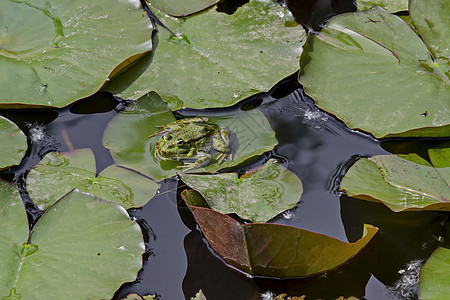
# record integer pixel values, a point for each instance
(312, 144)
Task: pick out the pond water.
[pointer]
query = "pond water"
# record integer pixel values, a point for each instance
(314, 145)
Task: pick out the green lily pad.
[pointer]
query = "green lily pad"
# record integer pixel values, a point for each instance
(53, 52)
(218, 59)
(14, 225)
(178, 8)
(127, 137)
(13, 143)
(402, 182)
(59, 173)
(258, 195)
(83, 247)
(388, 5)
(434, 282)
(372, 71)
(274, 250)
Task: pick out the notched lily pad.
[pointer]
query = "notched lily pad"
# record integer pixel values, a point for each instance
(127, 136)
(218, 59)
(89, 242)
(274, 250)
(258, 195)
(59, 173)
(54, 52)
(402, 182)
(373, 71)
(13, 143)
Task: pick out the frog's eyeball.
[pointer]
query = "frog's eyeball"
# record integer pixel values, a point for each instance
(180, 142)
(167, 137)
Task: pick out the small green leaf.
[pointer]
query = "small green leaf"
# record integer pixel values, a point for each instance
(81, 241)
(219, 59)
(402, 181)
(59, 173)
(274, 250)
(434, 282)
(373, 71)
(181, 8)
(258, 197)
(127, 136)
(13, 143)
(53, 52)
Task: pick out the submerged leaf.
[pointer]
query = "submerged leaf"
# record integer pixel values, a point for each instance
(59, 173)
(54, 52)
(218, 59)
(127, 136)
(274, 250)
(402, 182)
(13, 143)
(258, 197)
(82, 238)
(374, 72)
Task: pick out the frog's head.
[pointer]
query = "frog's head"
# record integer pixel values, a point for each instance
(171, 146)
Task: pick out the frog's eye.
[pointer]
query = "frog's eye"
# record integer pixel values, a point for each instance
(180, 142)
(167, 137)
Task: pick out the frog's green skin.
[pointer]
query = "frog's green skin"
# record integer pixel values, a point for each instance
(194, 139)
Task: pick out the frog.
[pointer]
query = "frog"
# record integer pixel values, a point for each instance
(193, 139)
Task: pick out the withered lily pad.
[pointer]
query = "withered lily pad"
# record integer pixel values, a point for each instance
(258, 195)
(13, 143)
(274, 250)
(402, 182)
(53, 52)
(59, 173)
(127, 136)
(375, 73)
(218, 59)
(82, 238)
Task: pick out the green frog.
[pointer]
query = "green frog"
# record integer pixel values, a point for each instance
(193, 139)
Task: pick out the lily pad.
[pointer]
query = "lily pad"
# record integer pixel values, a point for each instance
(373, 71)
(274, 250)
(59, 173)
(54, 52)
(13, 143)
(127, 137)
(402, 182)
(218, 59)
(258, 195)
(389, 5)
(81, 241)
(434, 282)
(178, 8)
